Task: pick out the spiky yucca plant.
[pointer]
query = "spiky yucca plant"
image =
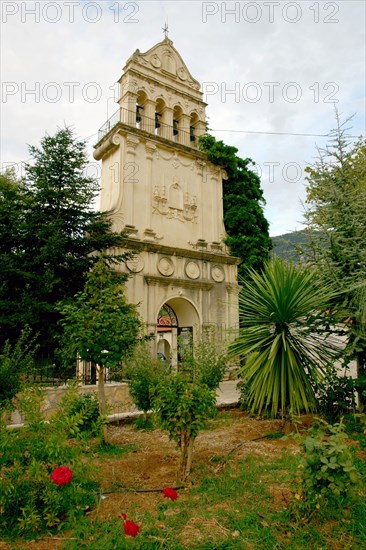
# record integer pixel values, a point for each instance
(284, 337)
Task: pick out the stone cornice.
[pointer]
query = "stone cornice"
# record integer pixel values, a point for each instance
(152, 280)
(213, 257)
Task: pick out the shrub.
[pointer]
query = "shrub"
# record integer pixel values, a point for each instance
(15, 363)
(326, 469)
(337, 397)
(205, 359)
(31, 502)
(91, 422)
(144, 373)
(182, 407)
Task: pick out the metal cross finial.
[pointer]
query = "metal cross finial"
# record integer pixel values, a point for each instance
(166, 30)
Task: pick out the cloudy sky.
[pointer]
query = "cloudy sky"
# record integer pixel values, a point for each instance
(271, 72)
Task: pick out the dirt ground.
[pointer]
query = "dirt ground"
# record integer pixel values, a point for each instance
(153, 463)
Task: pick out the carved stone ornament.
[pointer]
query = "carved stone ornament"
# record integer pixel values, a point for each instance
(182, 73)
(135, 264)
(174, 204)
(192, 270)
(166, 267)
(217, 274)
(155, 61)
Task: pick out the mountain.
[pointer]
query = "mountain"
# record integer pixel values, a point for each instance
(288, 246)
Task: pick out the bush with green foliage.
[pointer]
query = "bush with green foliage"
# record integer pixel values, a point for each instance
(30, 501)
(87, 405)
(144, 373)
(16, 362)
(326, 470)
(205, 358)
(182, 405)
(336, 396)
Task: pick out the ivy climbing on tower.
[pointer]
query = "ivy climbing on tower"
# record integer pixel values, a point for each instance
(246, 226)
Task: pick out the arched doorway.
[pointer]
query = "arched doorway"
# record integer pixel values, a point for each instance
(177, 319)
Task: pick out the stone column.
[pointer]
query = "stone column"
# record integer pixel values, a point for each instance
(167, 123)
(200, 130)
(183, 136)
(148, 116)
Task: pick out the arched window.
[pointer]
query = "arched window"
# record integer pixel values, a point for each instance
(167, 319)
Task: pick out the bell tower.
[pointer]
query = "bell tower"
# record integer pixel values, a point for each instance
(159, 187)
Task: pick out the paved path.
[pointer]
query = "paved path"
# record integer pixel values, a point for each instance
(227, 394)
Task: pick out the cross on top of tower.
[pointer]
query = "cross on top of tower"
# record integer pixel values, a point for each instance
(165, 30)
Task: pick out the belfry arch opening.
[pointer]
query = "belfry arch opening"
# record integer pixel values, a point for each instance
(177, 320)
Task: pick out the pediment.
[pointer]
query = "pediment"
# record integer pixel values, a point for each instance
(164, 59)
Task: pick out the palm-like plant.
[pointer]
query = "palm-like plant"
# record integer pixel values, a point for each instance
(283, 337)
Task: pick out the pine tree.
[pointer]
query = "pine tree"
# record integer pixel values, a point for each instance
(51, 236)
(336, 219)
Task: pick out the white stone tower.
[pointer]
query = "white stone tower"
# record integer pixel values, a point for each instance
(161, 188)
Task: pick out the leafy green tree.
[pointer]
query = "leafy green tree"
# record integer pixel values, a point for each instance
(99, 325)
(336, 224)
(48, 234)
(182, 405)
(245, 223)
(184, 400)
(284, 338)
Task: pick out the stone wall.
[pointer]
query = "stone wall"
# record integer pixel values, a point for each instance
(117, 396)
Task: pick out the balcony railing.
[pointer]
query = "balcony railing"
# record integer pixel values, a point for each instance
(111, 123)
(151, 125)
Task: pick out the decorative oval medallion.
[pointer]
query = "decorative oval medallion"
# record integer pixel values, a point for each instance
(192, 270)
(182, 73)
(217, 273)
(155, 61)
(135, 264)
(166, 267)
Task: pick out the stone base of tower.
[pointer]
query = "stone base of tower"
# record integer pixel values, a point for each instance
(182, 292)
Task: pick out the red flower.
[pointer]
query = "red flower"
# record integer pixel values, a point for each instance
(130, 528)
(61, 476)
(170, 493)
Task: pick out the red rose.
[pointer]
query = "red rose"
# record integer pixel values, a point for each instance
(131, 528)
(61, 476)
(170, 493)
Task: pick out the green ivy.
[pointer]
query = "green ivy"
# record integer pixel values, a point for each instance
(246, 226)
